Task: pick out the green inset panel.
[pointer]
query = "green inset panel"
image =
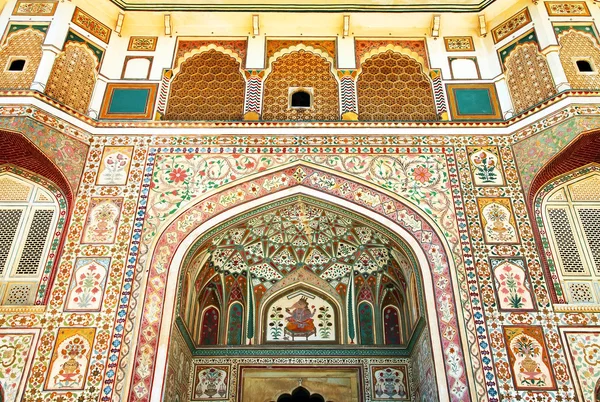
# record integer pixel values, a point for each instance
(129, 101)
(476, 101)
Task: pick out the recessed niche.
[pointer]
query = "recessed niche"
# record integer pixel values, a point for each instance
(584, 66)
(300, 98)
(16, 65)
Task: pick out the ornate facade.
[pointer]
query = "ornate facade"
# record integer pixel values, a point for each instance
(297, 201)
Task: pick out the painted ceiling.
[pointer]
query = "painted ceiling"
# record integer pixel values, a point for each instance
(307, 5)
(332, 245)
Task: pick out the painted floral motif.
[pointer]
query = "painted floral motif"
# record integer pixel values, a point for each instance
(115, 166)
(178, 179)
(70, 359)
(486, 166)
(585, 352)
(87, 284)
(391, 383)
(498, 220)
(210, 383)
(512, 285)
(528, 358)
(300, 317)
(102, 220)
(14, 352)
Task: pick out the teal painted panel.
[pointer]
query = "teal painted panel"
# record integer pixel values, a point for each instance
(129, 100)
(473, 101)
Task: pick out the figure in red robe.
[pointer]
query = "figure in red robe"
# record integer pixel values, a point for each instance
(300, 321)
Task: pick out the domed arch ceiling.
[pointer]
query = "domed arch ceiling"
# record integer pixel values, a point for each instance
(304, 233)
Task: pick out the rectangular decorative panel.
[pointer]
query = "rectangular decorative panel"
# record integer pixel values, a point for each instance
(88, 282)
(511, 25)
(70, 359)
(486, 166)
(459, 44)
(390, 383)
(567, 9)
(128, 101)
(511, 282)
(102, 220)
(91, 25)
(17, 347)
(498, 221)
(114, 166)
(473, 101)
(38, 8)
(528, 358)
(19, 294)
(210, 382)
(142, 43)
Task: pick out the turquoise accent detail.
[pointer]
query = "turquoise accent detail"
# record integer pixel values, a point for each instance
(128, 100)
(529, 37)
(473, 101)
(587, 28)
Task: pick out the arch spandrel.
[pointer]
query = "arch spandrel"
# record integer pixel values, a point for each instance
(416, 227)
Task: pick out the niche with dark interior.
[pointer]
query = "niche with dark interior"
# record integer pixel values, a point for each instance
(301, 99)
(300, 394)
(16, 65)
(584, 66)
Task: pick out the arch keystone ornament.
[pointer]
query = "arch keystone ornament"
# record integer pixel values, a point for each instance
(169, 247)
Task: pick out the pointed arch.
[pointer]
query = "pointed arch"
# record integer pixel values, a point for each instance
(580, 157)
(294, 180)
(298, 67)
(528, 87)
(577, 45)
(392, 84)
(25, 44)
(208, 84)
(73, 76)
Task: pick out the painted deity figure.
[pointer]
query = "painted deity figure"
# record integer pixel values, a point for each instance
(300, 321)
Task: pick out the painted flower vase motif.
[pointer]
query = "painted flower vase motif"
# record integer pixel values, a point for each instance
(390, 384)
(485, 165)
(114, 168)
(529, 367)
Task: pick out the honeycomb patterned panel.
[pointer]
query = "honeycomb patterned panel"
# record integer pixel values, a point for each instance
(24, 44)
(576, 45)
(209, 86)
(301, 69)
(528, 76)
(392, 86)
(73, 77)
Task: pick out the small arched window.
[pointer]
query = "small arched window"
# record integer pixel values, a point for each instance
(28, 216)
(301, 98)
(584, 66)
(16, 65)
(572, 216)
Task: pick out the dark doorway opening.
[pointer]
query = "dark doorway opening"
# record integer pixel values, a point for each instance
(300, 394)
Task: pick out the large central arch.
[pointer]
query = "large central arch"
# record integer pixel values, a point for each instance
(172, 244)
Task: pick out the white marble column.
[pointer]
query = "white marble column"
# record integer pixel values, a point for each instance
(556, 68)
(97, 96)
